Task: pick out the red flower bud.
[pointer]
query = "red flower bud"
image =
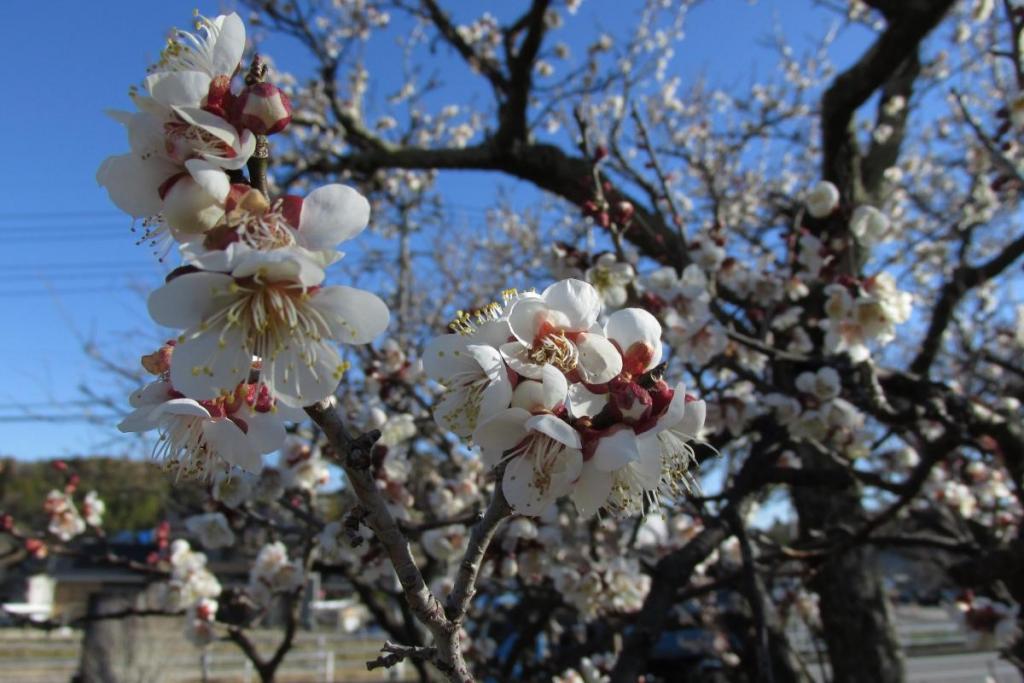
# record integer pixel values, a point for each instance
(263, 109)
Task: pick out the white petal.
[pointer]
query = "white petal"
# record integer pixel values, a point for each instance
(330, 215)
(184, 407)
(355, 316)
(521, 491)
(529, 395)
(186, 300)
(151, 395)
(133, 184)
(266, 431)
(141, 419)
(493, 333)
(557, 429)
(500, 433)
(648, 466)
(591, 490)
(556, 388)
(188, 207)
(600, 361)
(489, 360)
(450, 413)
(517, 356)
(299, 381)
(526, 317)
(292, 264)
(178, 88)
(210, 363)
(209, 177)
(674, 413)
(635, 325)
(497, 396)
(616, 451)
(693, 419)
(227, 52)
(577, 300)
(585, 403)
(446, 355)
(229, 442)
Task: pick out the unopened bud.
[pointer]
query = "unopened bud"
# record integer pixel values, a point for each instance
(6, 522)
(36, 548)
(263, 109)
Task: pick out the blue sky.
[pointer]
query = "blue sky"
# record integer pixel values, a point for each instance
(71, 272)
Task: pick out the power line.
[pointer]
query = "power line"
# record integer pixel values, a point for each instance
(14, 215)
(61, 292)
(73, 265)
(82, 417)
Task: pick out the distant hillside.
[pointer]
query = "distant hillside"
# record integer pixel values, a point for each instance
(138, 494)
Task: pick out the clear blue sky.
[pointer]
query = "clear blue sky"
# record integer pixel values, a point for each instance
(70, 271)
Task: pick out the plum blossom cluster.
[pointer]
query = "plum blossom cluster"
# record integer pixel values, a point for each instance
(257, 321)
(986, 623)
(566, 404)
(191, 587)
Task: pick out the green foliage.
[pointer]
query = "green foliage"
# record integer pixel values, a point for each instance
(138, 494)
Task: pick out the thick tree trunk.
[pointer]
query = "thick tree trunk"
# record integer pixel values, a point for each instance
(855, 612)
(120, 650)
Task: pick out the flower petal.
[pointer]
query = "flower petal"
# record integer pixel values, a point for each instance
(230, 443)
(591, 490)
(209, 177)
(188, 299)
(557, 429)
(500, 433)
(635, 326)
(330, 215)
(266, 431)
(693, 419)
(178, 88)
(133, 184)
(600, 361)
(585, 403)
(301, 378)
(616, 450)
(355, 316)
(520, 488)
(227, 51)
(517, 356)
(556, 388)
(446, 356)
(577, 300)
(210, 363)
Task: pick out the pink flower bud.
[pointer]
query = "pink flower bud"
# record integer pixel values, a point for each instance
(263, 109)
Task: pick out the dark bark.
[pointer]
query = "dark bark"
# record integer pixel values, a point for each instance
(855, 613)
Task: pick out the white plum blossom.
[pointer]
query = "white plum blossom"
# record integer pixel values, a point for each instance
(611, 277)
(556, 328)
(823, 384)
(868, 224)
(93, 509)
(476, 381)
(197, 438)
(272, 306)
(272, 572)
(541, 452)
(822, 200)
(213, 52)
(212, 529)
(65, 521)
(190, 580)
